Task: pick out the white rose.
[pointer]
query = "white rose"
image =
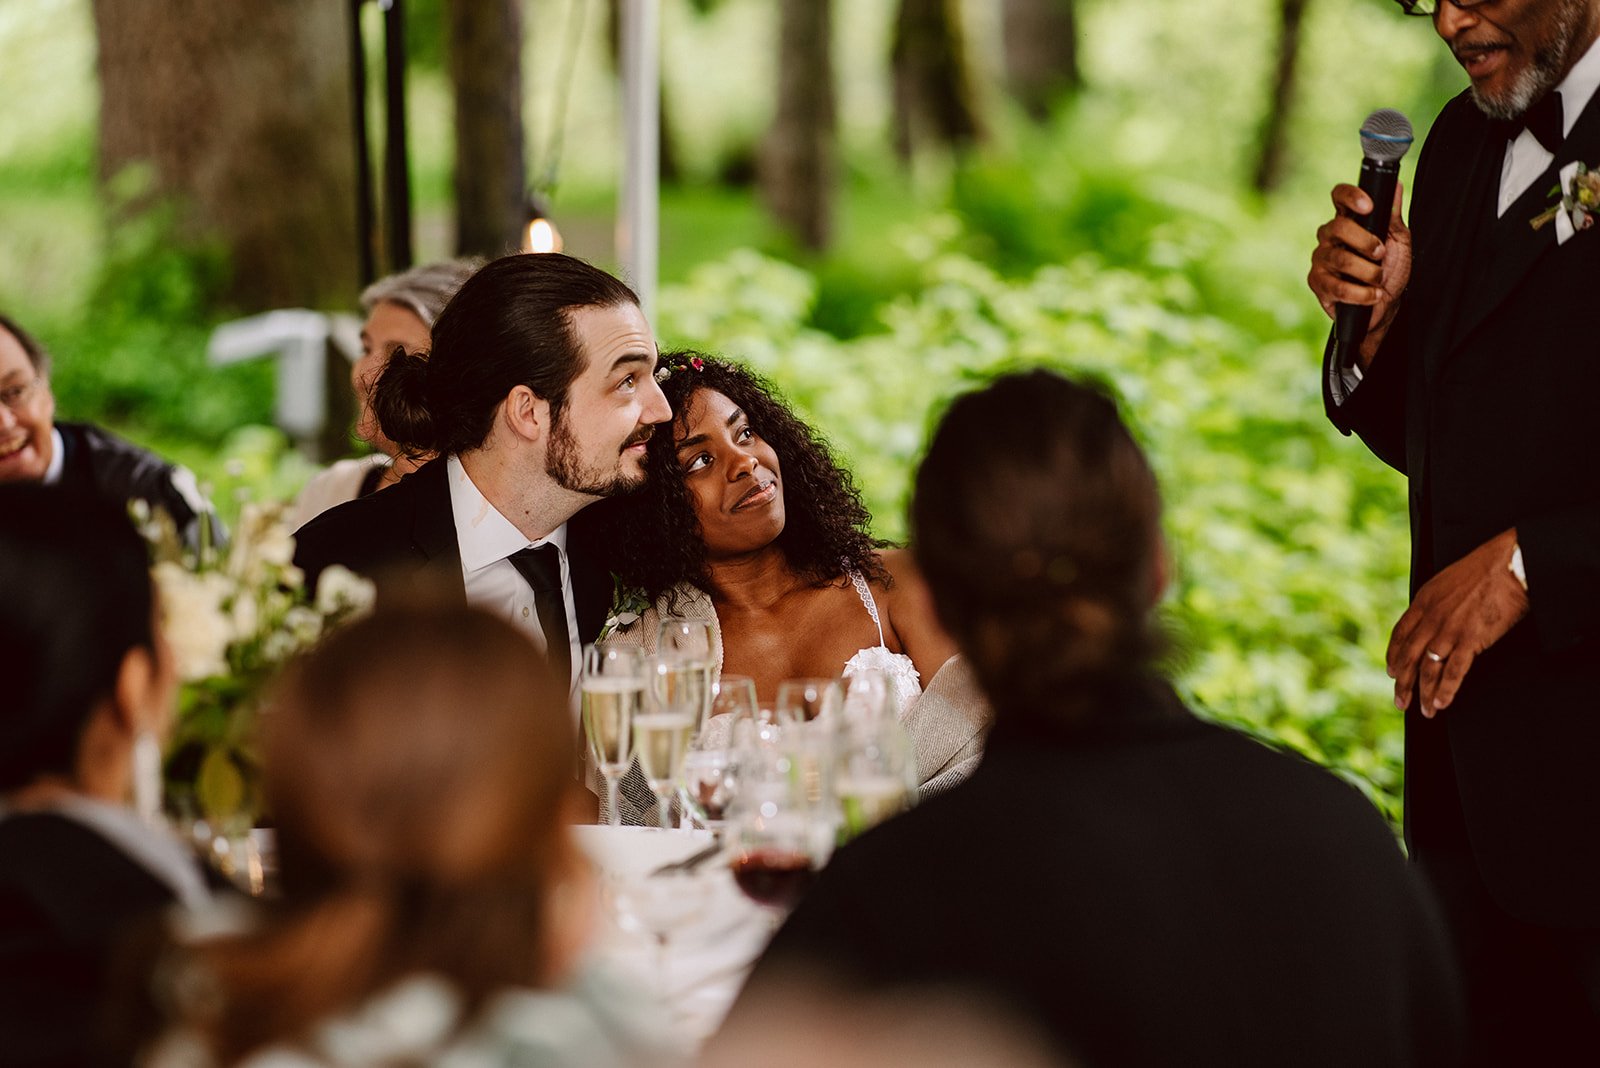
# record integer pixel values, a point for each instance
(192, 617)
(304, 623)
(341, 590)
(246, 616)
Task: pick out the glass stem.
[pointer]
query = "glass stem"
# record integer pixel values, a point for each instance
(613, 809)
(664, 810)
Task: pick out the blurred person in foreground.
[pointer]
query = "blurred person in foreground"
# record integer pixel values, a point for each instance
(36, 447)
(536, 400)
(750, 522)
(435, 906)
(400, 312)
(1151, 888)
(89, 685)
(1476, 380)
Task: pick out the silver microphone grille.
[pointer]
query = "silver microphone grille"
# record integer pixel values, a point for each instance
(1386, 135)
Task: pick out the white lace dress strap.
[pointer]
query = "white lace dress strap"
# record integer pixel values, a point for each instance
(865, 593)
(905, 682)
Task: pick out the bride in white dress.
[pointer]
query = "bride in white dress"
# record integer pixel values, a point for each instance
(749, 521)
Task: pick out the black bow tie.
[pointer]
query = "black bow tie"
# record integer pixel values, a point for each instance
(1544, 120)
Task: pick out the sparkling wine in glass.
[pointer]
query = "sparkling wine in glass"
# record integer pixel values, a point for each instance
(612, 691)
(688, 641)
(661, 734)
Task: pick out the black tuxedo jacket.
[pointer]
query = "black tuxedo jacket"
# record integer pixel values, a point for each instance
(1483, 394)
(407, 532)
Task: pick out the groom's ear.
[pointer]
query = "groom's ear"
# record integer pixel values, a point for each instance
(526, 415)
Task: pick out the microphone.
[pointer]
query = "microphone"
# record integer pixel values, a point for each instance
(1385, 139)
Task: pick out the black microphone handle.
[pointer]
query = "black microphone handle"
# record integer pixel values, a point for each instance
(1378, 178)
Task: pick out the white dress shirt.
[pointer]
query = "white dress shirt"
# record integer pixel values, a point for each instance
(486, 540)
(1526, 159)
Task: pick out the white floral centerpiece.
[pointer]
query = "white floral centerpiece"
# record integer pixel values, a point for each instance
(233, 617)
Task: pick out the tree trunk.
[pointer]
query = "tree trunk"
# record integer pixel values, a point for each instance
(484, 43)
(932, 88)
(1040, 38)
(1274, 128)
(798, 162)
(241, 114)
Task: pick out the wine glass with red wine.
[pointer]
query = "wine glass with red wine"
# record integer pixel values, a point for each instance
(779, 835)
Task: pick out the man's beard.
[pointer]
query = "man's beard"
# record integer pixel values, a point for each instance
(565, 465)
(1544, 73)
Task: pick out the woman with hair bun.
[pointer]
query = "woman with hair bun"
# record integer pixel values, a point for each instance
(1150, 888)
(434, 905)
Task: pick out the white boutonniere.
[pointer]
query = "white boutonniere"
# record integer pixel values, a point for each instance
(1579, 202)
(627, 605)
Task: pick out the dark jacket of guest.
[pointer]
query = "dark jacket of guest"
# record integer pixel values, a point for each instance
(408, 532)
(98, 461)
(1154, 890)
(69, 897)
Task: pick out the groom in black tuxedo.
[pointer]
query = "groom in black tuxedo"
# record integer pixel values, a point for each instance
(1478, 380)
(535, 401)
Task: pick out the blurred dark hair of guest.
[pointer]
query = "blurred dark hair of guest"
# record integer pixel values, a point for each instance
(89, 685)
(1036, 521)
(420, 767)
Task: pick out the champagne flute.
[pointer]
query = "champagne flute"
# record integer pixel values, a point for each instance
(710, 772)
(661, 734)
(688, 641)
(612, 691)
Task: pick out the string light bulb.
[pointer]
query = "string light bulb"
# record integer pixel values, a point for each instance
(540, 235)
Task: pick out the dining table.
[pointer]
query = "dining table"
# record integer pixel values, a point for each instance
(710, 946)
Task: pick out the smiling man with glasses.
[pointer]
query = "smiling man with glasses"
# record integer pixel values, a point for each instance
(34, 447)
(1477, 381)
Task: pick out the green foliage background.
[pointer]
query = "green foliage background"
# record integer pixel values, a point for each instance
(1118, 242)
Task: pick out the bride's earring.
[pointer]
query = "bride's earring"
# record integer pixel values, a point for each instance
(147, 776)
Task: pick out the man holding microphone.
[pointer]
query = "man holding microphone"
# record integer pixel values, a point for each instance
(1477, 379)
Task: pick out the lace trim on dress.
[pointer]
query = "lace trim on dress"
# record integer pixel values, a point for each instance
(904, 680)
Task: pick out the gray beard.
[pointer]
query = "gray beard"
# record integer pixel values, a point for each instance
(1549, 65)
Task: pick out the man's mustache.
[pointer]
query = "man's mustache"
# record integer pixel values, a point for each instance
(638, 436)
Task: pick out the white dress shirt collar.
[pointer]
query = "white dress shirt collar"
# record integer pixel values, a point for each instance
(58, 458)
(1578, 87)
(1526, 159)
(483, 534)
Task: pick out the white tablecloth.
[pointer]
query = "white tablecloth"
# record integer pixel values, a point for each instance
(708, 956)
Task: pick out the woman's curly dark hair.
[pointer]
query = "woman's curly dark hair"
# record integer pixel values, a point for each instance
(653, 537)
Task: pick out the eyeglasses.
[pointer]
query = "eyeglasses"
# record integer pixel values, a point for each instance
(1428, 7)
(14, 397)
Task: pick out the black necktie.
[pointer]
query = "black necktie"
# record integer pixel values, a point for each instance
(1544, 120)
(541, 566)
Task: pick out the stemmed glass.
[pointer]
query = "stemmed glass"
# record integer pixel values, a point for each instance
(612, 690)
(688, 642)
(875, 770)
(804, 700)
(710, 772)
(780, 836)
(661, 734)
